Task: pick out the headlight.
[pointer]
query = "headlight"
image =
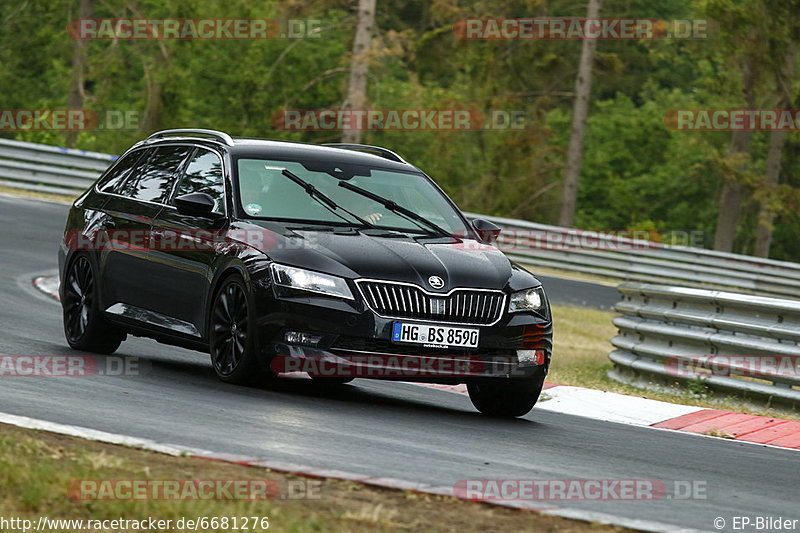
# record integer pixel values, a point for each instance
(527, 300)
(307, 280)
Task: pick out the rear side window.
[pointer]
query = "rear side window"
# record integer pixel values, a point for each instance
(204, 174)
(155, 178)
(112, 182)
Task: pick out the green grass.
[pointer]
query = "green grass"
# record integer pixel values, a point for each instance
(581, 344)
(50, 197)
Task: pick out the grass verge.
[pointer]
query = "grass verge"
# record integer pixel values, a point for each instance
(582, 342)
(38, 468)
(571, 274)
(36, 195)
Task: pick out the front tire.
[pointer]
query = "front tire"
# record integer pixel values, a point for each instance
(84, 326)
(232, 335)
(505, 398)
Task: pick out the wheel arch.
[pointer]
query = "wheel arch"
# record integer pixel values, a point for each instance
(225, 271)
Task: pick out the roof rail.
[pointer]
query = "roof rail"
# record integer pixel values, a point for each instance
(192, 132)
(383, 152)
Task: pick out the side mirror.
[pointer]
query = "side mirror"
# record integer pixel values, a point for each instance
(196, 203)
(487, 231)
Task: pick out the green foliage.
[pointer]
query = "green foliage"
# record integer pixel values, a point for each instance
(637, 171)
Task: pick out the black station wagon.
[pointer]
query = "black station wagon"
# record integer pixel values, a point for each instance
(337, 261)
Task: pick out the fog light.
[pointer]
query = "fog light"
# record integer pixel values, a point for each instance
(530, 357)
(299, 337)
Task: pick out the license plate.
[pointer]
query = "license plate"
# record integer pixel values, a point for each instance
(438, 336)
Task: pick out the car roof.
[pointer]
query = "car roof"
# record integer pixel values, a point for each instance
(271, 149)
(260, 148)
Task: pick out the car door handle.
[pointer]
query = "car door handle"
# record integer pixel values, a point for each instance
(108, 223)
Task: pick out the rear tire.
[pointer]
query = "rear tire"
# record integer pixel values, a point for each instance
(505, 398)
(84, 325)
(232, 334)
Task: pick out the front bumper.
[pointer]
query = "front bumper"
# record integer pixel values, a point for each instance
(353, 341)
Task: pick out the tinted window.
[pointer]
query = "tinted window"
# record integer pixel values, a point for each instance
(112, 181)
(266, 193)
(204, 174)
(154, 181)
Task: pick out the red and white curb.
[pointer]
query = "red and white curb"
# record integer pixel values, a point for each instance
(310, 471)
(48, 285)
(624, 409)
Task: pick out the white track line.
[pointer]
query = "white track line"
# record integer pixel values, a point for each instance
(91, 434)
(597, 404)
(390, 483)
(611, 406)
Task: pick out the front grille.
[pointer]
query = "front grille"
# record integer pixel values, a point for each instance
(460, 306)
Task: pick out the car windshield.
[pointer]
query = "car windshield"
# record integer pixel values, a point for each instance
(265, 192)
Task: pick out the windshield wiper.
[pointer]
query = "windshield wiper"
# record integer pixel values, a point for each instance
(391, 205)
(321, 197)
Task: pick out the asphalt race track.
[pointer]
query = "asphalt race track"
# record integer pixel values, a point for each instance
(383, 429)
(582, 293)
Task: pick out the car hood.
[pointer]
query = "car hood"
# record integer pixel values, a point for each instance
(354, 254)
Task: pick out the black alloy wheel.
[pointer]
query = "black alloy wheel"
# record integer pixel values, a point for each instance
(232, 339)
(84, 327)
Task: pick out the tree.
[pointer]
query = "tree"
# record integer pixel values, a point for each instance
(359, 65)
(730, 199)
(777, 138)
(636, 171)
(761, 38)
(77, 89)
(583, 88)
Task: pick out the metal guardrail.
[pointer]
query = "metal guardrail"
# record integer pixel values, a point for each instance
(46, 168)
(644, 261)
(725, 341)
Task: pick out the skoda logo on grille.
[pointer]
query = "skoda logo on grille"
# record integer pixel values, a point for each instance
(436, 282)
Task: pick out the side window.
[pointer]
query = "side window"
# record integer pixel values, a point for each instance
(156, 177)
(204, 174)
(112, 182)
